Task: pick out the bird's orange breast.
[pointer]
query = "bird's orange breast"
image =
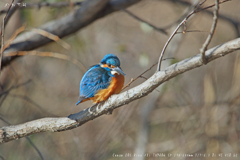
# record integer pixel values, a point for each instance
(115, 87)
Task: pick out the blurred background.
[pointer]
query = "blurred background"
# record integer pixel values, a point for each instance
(194, 113)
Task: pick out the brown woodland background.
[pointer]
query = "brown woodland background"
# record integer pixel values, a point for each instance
(194, 113)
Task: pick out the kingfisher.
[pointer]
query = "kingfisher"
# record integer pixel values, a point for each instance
(102, 80)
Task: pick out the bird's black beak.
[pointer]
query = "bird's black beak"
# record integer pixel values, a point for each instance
(119, 70)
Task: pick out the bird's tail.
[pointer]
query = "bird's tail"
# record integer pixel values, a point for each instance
(78, 103)
(81, 99)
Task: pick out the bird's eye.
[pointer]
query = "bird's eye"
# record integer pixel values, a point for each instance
(109, 65)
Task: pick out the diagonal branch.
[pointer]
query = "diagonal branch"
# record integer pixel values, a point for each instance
(141, 20)
(9, 133)
(89, 12)
(28, 139)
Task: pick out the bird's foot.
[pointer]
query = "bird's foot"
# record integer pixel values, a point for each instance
(109, 112)
(98, 109)
(89, 109)
(94, 112)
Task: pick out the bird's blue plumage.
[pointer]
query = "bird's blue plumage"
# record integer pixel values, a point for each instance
(98, 77)
(95, 79)
(111, 59)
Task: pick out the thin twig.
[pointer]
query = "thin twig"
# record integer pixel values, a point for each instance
(230, 20)
(3, 98)
(141, 20)
(16, 33)
(174, 32)
(132, 80)
(196, 10)
(48, 54)
(209, 38)
(12, 10)
(45, 4)
(5, 121)
(2, 157)
(192, 31)
(2, 34)
(201, 9)
(14, 87)
(35, 147)
(41, 32)
(30, 101)
(52, 37)
(141, 75)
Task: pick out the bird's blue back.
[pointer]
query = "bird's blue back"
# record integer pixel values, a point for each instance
(98, 77)
(95, 79)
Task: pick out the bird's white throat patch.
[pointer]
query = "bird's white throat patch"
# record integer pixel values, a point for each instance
(114, 72)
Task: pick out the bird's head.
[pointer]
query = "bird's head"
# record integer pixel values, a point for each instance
(111, 63)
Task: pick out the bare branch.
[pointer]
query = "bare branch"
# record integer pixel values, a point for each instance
(192, 31)
(17, 32)
(30, 101)
(11, 11)
(48, 54)
(201, 9)
(2, 34)
(28, 139)
(9, 133)
(45, 4)
(71, 23)
(230, 20)
(196, 10)
(35, 147)
(141, 75)
(141, 20)
(2, 157)
(53, 37)
(209, 38)
(172, 35)
(132, 80)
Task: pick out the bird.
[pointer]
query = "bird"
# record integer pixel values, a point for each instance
(102, 80)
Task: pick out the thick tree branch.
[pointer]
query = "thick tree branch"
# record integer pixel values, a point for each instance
(9, 133)
(71, 23)
(28, 139)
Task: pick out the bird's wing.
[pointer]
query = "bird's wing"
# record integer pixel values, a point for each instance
(94, 80)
